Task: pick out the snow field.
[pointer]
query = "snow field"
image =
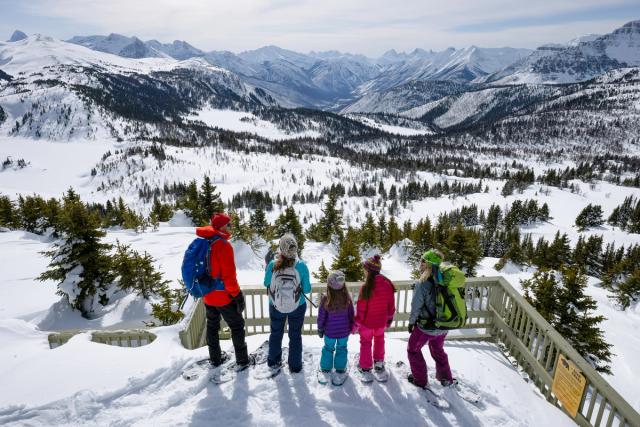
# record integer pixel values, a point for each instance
(85, 383)
(239, 121)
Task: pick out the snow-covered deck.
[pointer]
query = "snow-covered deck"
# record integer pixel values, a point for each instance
(86, 383)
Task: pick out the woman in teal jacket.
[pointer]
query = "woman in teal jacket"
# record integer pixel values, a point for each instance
(287, 279)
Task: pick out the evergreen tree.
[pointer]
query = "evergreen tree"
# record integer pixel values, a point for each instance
(542, 293)
(136, 272)
(8, 214)
(543, 213)
(330, 223)
(258, 222)
(628, 292)
(161, 212)
(322, 274)
(559, 251)
(167, 310)
(463, 249)
(421, 240)
(80, 262)
(190, 203)
(589, 217)
(560, 299)
(368, 235)
(383, 229)
(576, 323)
(349, 259)
(209, 201)
(394, 234)
(288, 222)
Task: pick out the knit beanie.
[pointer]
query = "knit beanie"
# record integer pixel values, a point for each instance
(288, 246)
(373, 264)
(219, 220)
(433, 256)
(336, 280)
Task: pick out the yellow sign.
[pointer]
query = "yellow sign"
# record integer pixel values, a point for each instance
(568, 385)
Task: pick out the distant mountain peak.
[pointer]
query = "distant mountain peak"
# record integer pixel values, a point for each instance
(17, 36)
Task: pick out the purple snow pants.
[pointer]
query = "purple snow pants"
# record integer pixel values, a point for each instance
(417, 340)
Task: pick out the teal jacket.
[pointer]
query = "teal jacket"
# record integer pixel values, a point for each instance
(302, 270)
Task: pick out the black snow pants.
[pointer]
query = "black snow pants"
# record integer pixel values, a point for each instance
(235, 321)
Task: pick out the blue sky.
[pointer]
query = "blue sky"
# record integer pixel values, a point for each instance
(360, 26)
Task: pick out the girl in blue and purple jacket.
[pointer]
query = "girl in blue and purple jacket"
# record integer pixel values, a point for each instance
(335, 323)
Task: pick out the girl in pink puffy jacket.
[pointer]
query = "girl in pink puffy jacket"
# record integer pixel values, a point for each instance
(374, 313)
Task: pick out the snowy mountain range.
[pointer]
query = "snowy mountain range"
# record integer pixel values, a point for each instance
(396, 81)
(121, 86)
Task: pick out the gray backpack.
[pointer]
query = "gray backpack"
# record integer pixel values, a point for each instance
(285, 290)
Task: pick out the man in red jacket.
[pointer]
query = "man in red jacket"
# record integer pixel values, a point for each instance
(228, 303)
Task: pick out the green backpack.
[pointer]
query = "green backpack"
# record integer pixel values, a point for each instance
(451, 308)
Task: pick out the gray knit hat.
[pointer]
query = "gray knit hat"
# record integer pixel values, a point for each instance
(288, 246)
(336, 280)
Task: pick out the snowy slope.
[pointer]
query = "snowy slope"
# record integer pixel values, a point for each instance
(239, 121)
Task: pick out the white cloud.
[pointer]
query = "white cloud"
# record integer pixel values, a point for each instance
(363, 26)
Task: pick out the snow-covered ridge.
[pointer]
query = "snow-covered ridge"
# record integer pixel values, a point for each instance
(36, 52)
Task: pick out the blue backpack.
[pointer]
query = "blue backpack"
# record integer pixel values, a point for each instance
(196, 268)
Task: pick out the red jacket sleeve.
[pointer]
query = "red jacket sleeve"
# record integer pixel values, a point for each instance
(228, 268)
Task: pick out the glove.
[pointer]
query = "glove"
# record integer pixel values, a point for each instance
(240, 303)
(321, 333)
(411, 328)
(389, 322)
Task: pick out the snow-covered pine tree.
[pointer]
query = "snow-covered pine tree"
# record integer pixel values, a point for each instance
(349, 259)
(80, 263)
(589, 217)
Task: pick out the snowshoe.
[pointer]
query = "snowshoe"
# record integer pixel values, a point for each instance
(324, 377)
(465, 392)
(261, 353)
(380, 373)
(203, 366)
(339, 377)
(433, 398)
(365, 375)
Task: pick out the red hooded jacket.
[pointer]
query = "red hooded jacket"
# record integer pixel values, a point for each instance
(379, 309)
(223, 265)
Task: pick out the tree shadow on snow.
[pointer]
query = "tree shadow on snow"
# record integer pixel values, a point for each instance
(216, 405)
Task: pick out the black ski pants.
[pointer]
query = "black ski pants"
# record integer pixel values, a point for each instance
(235, 321)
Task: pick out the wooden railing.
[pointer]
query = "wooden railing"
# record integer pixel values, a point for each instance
(130, 338)
(257, 312)
(497, 312)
